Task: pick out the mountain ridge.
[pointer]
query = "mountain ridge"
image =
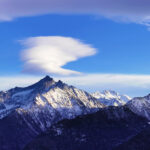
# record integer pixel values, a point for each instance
(111, 98)
(27, 112)
(105, 129)
(35, 108)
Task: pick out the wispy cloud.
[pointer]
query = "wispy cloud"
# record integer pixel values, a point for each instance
(137, 11)
(47, 55)
(133, 85)
(7, 82)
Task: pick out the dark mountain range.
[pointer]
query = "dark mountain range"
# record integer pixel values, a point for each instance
(139, 142)
(103, 130)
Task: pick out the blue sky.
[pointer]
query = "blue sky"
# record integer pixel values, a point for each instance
(123, 48)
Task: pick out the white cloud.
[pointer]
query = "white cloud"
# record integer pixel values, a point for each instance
(7, 82)
(47, 55)
(133, 85)
(126, 10)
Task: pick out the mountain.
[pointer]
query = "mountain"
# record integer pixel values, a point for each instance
(140, 105)
(27, 112)
(50, 115)
(111, 128)
(103, 130)
(111, 98)
(139, 142)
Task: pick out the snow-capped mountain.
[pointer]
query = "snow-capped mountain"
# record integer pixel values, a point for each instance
(140, 106)
(111, 98)
(27, 112)
(53, 99)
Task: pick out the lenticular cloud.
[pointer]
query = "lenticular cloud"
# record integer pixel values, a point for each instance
(49, 54)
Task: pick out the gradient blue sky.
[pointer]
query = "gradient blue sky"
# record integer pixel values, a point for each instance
(123, 48)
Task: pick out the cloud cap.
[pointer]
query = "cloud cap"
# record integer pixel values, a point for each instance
(48, 54)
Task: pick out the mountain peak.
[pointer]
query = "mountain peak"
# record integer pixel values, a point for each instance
(44, 83)
(47, 78)
(111, 92)
(111, 98)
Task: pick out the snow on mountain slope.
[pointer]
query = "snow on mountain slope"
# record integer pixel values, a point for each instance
(47, 102)
(111, 98)
(140, 106)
